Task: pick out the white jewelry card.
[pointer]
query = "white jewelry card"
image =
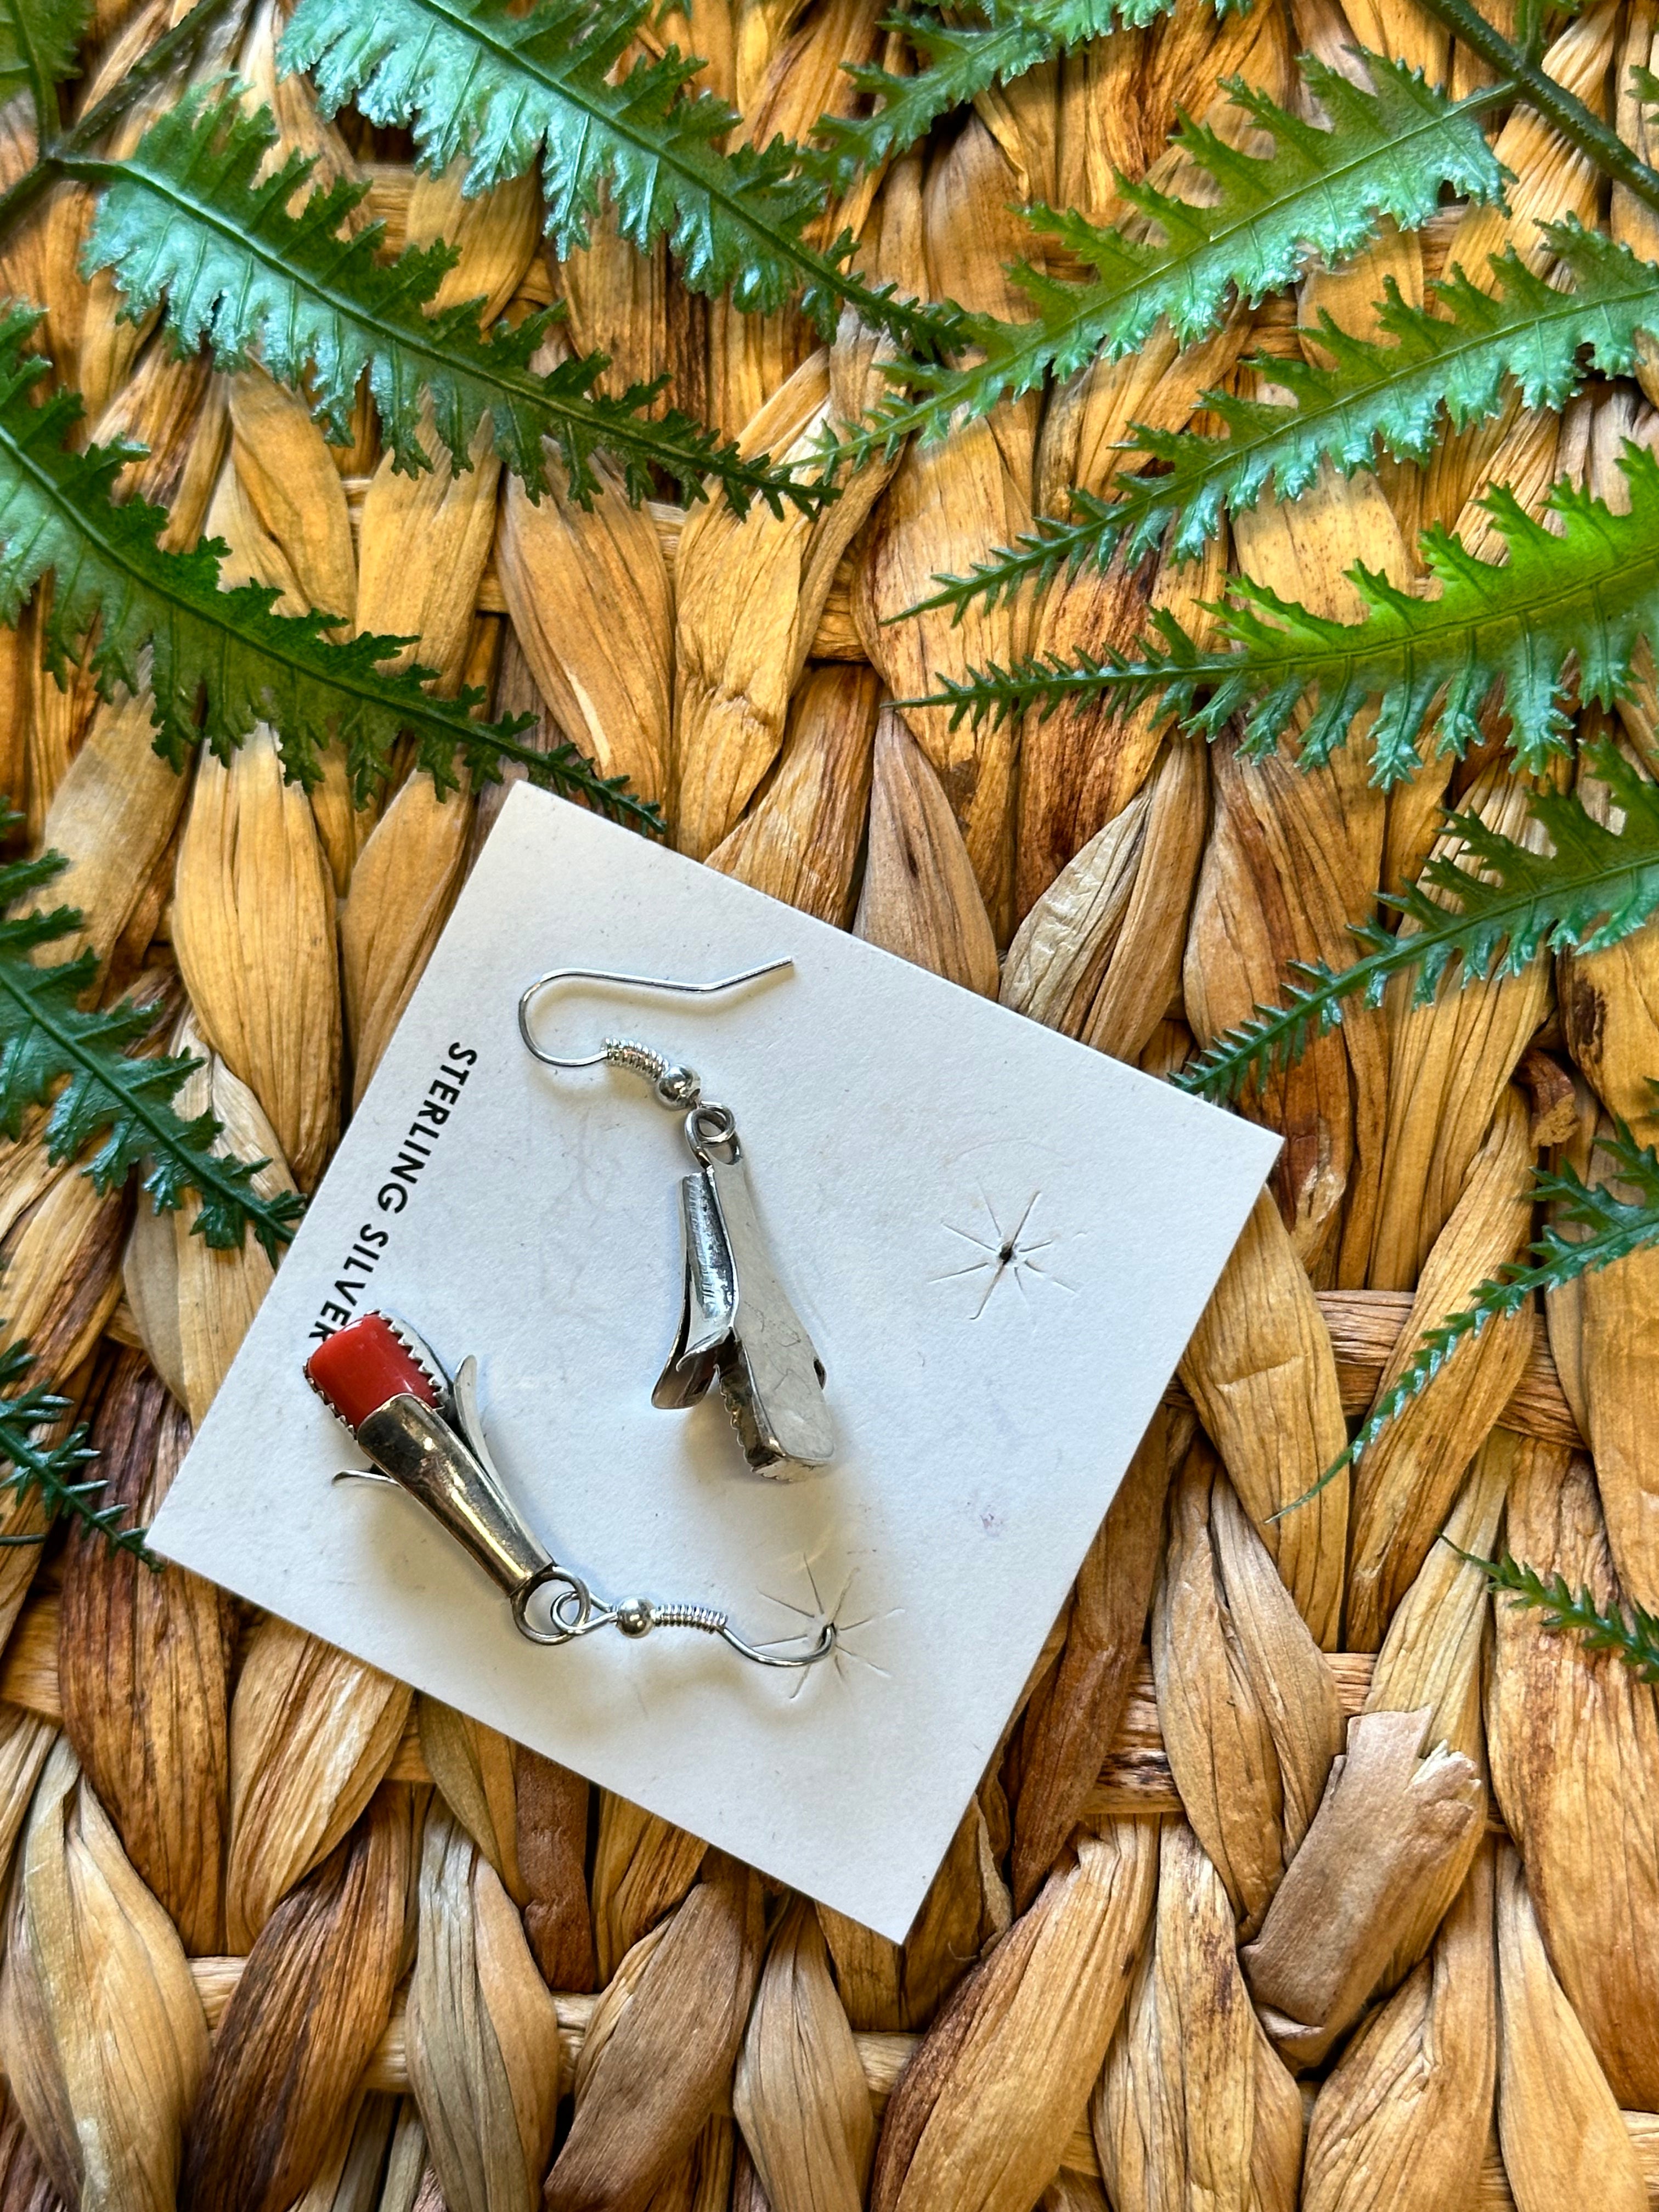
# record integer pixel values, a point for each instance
(998, 1240)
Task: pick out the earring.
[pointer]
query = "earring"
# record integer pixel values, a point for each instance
(737, 1328)
(422, 1431)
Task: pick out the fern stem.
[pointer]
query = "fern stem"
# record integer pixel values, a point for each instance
(637, 442)
(47, 1469)
(1487, 908)
(1449, 363)
(1579, 125)
(1588, 591)
(172, 46)
(1391, 148)
(42, 82)
(1277, 1035)
(154, 63)
(652, 152)
(17, 199)
(271, 1221)
(1634, 1640)
(1614, 1229)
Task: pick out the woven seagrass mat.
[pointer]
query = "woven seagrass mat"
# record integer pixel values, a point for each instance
(281, 1933)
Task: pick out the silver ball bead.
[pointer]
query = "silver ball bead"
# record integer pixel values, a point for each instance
(634, 1616)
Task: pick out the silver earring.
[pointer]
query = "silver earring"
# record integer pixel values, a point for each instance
(737, 1328)
(421, 1428)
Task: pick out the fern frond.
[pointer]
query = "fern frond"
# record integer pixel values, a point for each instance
(1498, 905)
(1634, 1640)
(183, 48)
(114, 584)
(1321, 194)
(53, 1473)
(1090, 534)
(40, 40)
(510, 90)
(183, 220)
(1611, 1228)
(960, 61)
(54, 1049)
(1587, 598)
(1432, 371)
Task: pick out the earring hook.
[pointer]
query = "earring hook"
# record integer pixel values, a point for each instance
(558, 975)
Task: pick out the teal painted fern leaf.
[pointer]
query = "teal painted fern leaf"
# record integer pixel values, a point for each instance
(1432, 371)
(1496, 907)
(1611, 1229)
(182, 221)
(53, 1473)
(114, 584)
(54, 1049)
(1321, 194)
(511, 91)
(960, 61)
(40, 40)
(1632, 1638)
(1586, 598)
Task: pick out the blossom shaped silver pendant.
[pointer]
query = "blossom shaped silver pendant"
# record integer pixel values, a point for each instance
(738, 1330)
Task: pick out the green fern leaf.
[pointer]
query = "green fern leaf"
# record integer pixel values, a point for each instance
(508, 91)
(1321, 194)
(1634, 1640)
(1587, 595)
(1389, 396)
(1612, 1227)
(1090, 534)
(52, 1049)
(115, 585)
(53, 1473)
(960, 62)
(183, 220)
(40, 40)
(1499, 905)
(1609, 1228)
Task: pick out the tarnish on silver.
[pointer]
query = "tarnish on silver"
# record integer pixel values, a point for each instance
(411, 1441)
(738, 1327)
(439, 1456)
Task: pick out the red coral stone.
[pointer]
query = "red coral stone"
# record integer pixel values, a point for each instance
(358, 1369)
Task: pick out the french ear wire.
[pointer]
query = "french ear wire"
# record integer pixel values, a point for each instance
(739, 1331)
(422, 1431)
(614, 1049)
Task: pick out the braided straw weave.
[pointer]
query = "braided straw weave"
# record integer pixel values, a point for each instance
(281, 1934)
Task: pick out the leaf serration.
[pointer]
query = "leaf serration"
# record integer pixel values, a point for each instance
(57, 1053)
(1584, 597)
(1483, 912)
(54, 1473)
(513, 93)
(185, 224)
(1632, 1638)
(222, 661)
(1321, 193)
(1430, 372)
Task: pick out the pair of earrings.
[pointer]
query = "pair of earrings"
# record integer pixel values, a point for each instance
(738, 1332)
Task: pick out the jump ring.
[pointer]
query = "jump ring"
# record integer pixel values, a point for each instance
(570, 1614)
(710, 1130)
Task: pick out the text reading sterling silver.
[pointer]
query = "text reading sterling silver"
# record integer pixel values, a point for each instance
(737, 1328)
(422, 1431)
